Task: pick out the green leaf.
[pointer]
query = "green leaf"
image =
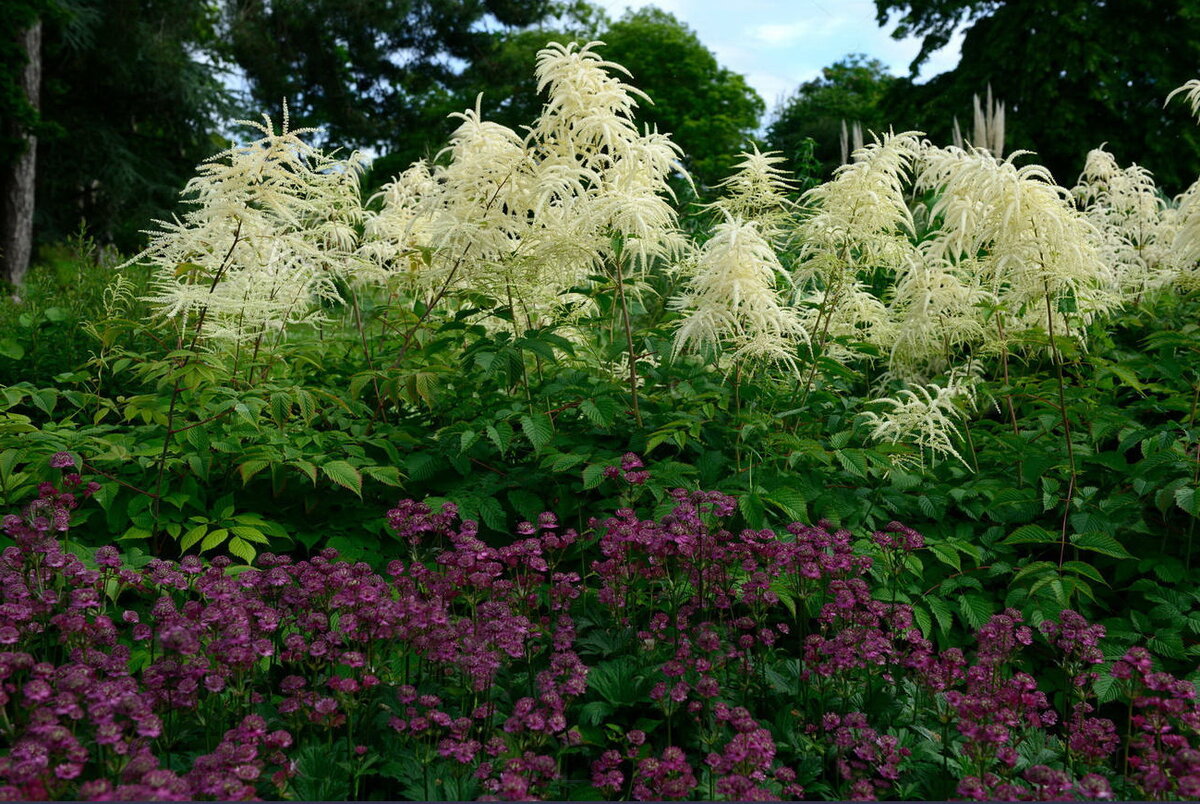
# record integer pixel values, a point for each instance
(344, 475)
(1187, 499)
(941, 610)
(249, 534)
(593, 475)
(242, 550)
(1106, 687)
(250, 468)
(975, 609)
(538, 429)
(751, 506)
(947, 555)
(136, 533)
(388, 475)
(11, 349)
(1100, 543)
(790, 501)
(526, 504)
(501, 434)
(593, 413)
(1084, 569)
(307, 467)
(1031, 534)
(192, 536)
(213, 539)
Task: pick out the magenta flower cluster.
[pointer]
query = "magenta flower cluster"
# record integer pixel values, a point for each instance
(655, 659)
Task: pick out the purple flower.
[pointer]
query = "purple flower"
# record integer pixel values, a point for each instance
(62, 460)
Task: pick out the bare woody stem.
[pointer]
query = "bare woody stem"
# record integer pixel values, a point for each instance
(633, 377)
(177, 385)
(1066, 422)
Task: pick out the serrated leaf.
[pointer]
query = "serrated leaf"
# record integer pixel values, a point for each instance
(249, 534)
(248, 469)
(307, 405)
(975, 609)
(924, 623)
(501, 434)
(526, 504)
(1187, 499)
(790, 501)
(1084, 569)
(538, 429)
(1106, 687)
(242, 550)
(344, 475)
(136, 533)
(1031, 534)
(1100, 543)
(388, 475)
(593, 475)
(941, 610)
(593, 413)
(213, 539)
(751, 506)
(191, 537)
(947, 555)
(307, 467)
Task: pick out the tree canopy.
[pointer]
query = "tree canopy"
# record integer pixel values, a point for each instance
(710, 111)
(850, 90)
(1074, 73)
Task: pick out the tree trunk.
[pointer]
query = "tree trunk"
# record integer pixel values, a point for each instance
(16, 215)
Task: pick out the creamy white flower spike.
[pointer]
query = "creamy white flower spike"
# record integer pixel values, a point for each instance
(926, 416)
(732, 299)
(272, 230)
(1016, 232)
(1125, 206)
(532, 219)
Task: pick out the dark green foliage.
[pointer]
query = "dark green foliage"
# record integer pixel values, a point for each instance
(1073, 73)
(129, 107)
(850, 91)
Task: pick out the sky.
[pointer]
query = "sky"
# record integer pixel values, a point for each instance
(779, 44)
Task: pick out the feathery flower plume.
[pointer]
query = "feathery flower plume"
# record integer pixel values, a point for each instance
(1014, 229)
(271, 229)
(526, 220)
(732, 298)
(1186, 216)
(757, 191)
(1126, 208)
(926, 416)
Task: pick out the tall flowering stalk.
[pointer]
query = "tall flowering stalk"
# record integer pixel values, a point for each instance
(529, 219)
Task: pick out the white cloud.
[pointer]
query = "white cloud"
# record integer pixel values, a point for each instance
(797, 32)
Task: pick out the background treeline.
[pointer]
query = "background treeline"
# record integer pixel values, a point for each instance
(134, 93)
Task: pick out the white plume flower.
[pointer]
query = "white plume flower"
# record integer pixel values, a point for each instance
(926, 416)
(1017, 232)
(732, 298)
(531, 219)
(861, 218)
(758, 190)
(271, 230)
(1127, 209)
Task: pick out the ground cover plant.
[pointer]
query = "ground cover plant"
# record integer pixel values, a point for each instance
(211, 592)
